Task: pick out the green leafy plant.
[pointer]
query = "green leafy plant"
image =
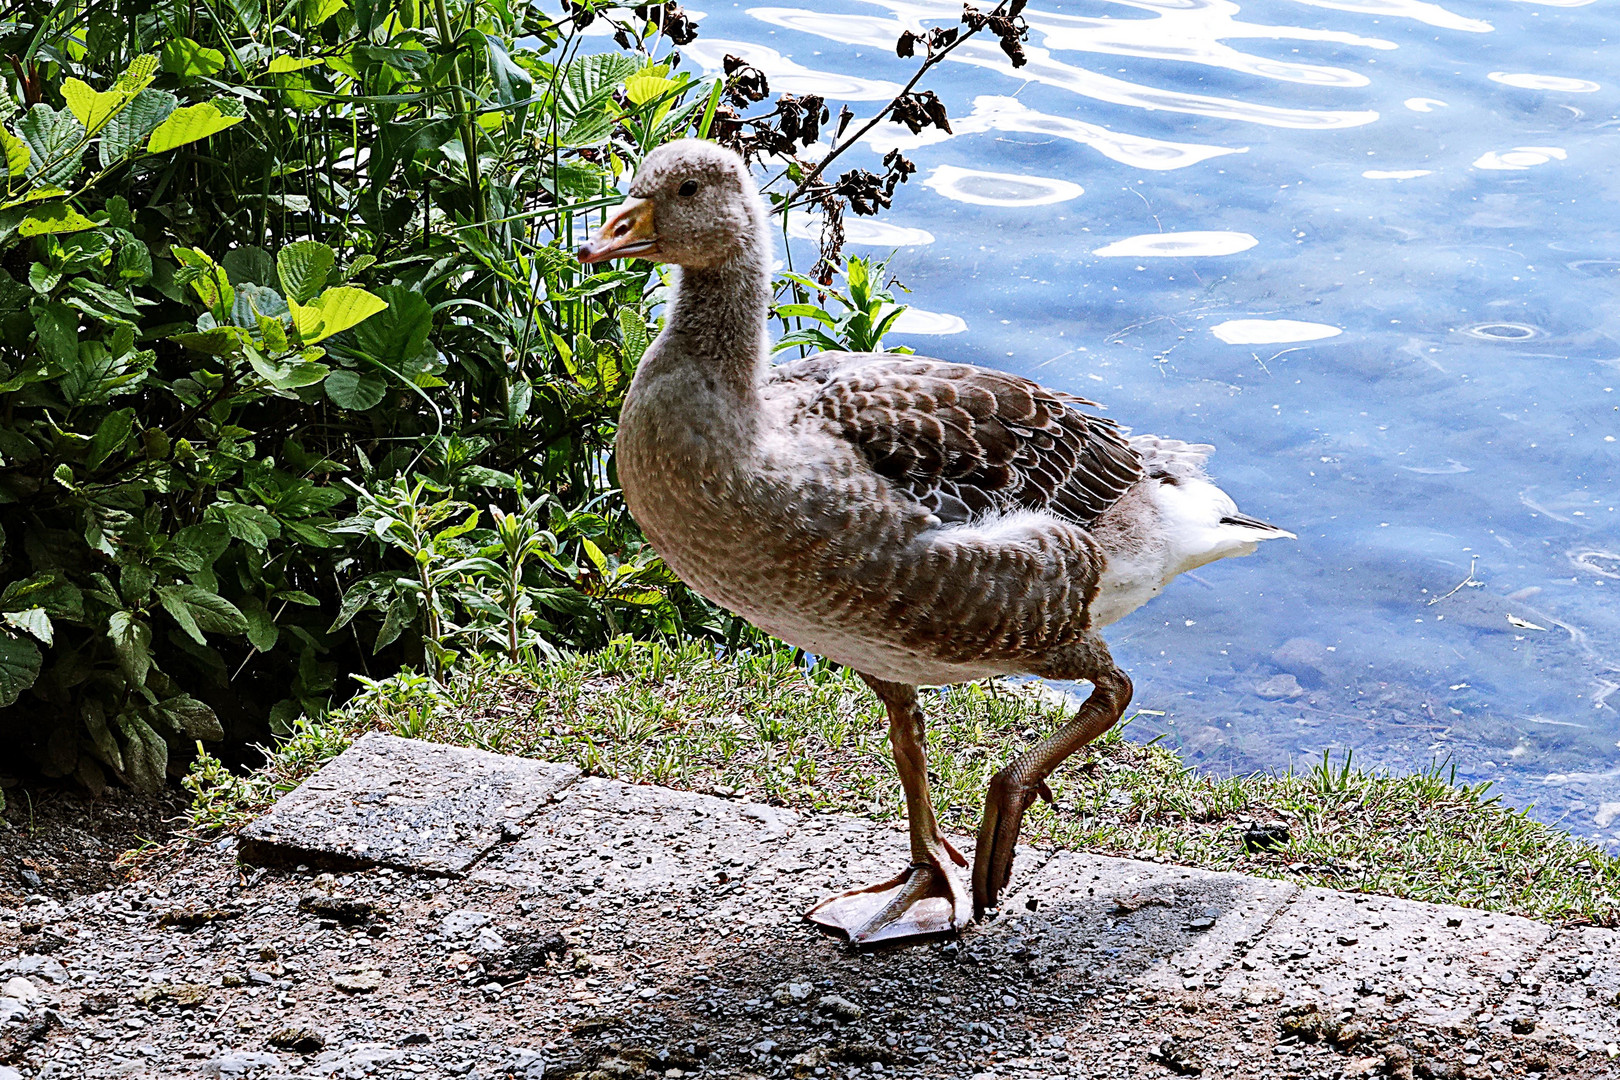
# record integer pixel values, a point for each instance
(867, 311)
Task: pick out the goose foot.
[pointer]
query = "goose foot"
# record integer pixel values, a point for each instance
(1004, 806)
(927, 900)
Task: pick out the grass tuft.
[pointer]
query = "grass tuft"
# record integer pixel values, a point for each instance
(764, 727)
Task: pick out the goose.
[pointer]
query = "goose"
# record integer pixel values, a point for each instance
(919, 521)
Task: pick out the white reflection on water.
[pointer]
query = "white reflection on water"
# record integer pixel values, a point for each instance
(1192, 31)
(995, 113)
(1000, 189)
(1396, 174)
(880, 33)
(1424, 104)
(788, 76)
(1520, 157)
(917, 321)
(1432, 14)
(1272, 331)
(1545, 82)
(859, 230)
(1178, 245)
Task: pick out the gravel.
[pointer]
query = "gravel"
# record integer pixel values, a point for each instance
(546, 982)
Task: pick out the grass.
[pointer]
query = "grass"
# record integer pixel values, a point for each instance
(764, 728)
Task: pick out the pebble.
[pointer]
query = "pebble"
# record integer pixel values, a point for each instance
(839, 1008)
(20, 989)
(460, 923)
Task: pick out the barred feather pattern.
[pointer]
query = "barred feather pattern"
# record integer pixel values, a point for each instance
(966, 441)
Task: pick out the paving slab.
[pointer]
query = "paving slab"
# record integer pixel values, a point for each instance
(402, 803)
(1435, 964)
(1169, 928)
(1574, 989)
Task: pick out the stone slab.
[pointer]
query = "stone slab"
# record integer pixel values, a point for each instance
(405, 804)
(1574, 989)
(1436, 964)
(1167, 928)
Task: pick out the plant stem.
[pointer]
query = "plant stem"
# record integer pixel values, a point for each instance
(469, 135)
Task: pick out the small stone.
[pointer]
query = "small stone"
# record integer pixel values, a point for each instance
(839, 1008)
(364, 981)
(489, 941)
(1261, 994)
(1280, 686)
(1523, 1025)
(185, 995)
(231, 978)
(41, 966)
(792, 993)
(463, 922)
(344, 909)
(1265, 836)
(8, 1073)
(303, 1040)
(1178, 1057)
(21, 989)
(268, 953)
(1302, 1022)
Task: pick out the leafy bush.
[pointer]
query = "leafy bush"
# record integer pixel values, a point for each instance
(299, 378)
(266, 277)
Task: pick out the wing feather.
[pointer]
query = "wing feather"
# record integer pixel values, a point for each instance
(966, 440)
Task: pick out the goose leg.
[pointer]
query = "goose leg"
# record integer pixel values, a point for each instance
(1015, 787)
(928, 897)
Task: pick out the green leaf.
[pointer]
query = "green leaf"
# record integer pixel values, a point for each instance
(198, 611)
(146, 755)
(111, 435)
(210, 282)
(33, 621)
(91, 107)
(187, 59)
(54, 139)
(132, 643)
(302, 268)
(396, 336)
(334, 311)
(355, 390)
(249, 265)
(56, 217)
(262, 632)
(282, 64)
(220, 341)
(286, 374)
(138, 75)
(633, 328)
(16, 153)
(512, 83)
(189, 124)
(191, 718)
(248, 523)
(19, 667)
(125, 131)
(56, 328)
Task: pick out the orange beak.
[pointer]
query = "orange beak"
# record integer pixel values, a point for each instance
(627, 234)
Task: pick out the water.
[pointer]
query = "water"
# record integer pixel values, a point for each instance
(1367, 248)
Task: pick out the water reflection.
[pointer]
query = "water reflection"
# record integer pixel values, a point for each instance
(1177, 245)
(1272, 331)
(980, 188)
(1366, 248)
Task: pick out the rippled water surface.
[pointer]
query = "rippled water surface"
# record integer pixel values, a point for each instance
(1369, 249)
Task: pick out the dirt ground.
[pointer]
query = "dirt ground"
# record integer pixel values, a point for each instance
(61, 842)
(205, 968)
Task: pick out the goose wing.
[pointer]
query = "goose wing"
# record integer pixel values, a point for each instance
(966, 440)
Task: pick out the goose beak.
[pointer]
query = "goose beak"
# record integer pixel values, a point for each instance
(627, 234)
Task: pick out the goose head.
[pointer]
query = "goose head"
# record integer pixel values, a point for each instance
(692, 203)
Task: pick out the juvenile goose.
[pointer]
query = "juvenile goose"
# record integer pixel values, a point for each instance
(921, 522)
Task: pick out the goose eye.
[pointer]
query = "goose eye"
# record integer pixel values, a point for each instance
(689, 189)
